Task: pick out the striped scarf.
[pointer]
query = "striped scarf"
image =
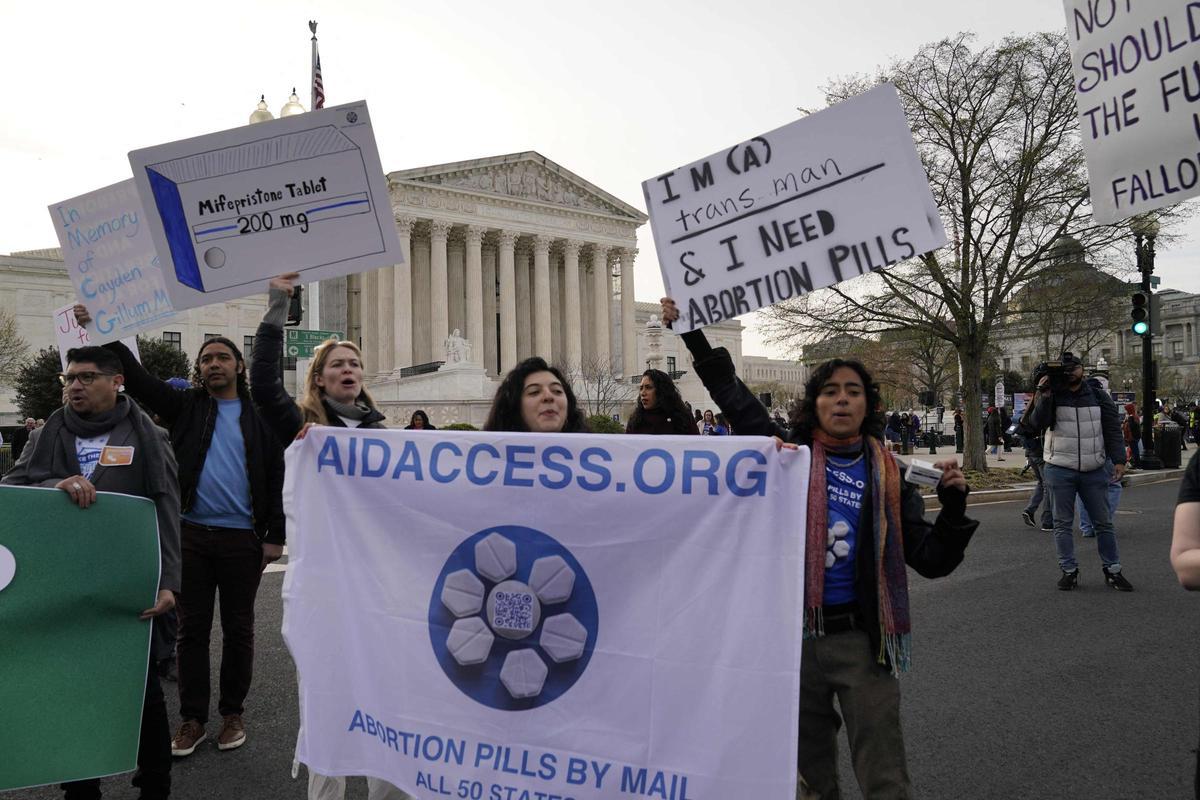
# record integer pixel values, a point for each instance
(891, 577)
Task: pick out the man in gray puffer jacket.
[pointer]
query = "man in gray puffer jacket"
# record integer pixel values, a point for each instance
(1084, 451)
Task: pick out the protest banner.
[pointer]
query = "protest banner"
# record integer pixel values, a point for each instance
(230, 210)
(68, 334)
(72, 583)
(1121, 398)
(1021, 400)
(824, 199)
(496, 635)
(111, 261)
(1137, 82)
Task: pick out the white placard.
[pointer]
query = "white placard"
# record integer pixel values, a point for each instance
(303, 194)
(111, 260)
(827, 198)
(69, 334)
(1137, 88)
(496, 636)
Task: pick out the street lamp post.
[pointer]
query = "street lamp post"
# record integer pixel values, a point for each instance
(1145, 230)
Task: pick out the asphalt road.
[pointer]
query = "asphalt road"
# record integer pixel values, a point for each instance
(1017, 690)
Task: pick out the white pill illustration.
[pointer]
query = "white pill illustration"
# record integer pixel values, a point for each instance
(513, 610)
(841, 548)
(840, 529)
(830, 559)
(563, 638)
(523, 674)
(495, 557)
(8, 567)
(462, 593)
(552, 579)
(470, 641)
(214, 257)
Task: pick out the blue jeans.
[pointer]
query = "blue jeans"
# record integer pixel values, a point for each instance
(1092, 488)
(1113, 498)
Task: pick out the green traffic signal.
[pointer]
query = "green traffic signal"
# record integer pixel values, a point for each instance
(1140, 314)
(1140, 327)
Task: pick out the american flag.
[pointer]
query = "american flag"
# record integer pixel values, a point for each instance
(318, 89)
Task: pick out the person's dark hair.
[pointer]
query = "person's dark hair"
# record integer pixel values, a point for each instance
(699, 414)
(427, 425)
(505, 414)
(724, 423)
(669, 402)
(105, 360)
(803, 418)
(197, 377)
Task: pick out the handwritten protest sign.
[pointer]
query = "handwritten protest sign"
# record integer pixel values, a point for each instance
(230, 210)
(68, 334)
(111, 261)
(1137, 82)
(827, 198)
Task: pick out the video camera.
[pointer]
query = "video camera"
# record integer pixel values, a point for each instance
(1059, 371)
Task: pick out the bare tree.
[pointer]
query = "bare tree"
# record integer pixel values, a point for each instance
(1075, 308)
(14, 351)
(997, 131)
(597, 388)
(1180, 383)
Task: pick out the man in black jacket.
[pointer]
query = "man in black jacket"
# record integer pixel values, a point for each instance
(231, 486)
(856, 626)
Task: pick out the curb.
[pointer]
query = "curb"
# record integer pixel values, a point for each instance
(1009, 495)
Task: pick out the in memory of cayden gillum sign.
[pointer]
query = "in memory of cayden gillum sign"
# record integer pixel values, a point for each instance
(832, 196)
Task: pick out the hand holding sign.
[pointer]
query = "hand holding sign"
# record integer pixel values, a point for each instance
(833, 196)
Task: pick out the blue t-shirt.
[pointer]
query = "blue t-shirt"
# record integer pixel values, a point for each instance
(223, 491)
(845, 482)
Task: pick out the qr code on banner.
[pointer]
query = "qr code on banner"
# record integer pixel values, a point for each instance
(513, 611)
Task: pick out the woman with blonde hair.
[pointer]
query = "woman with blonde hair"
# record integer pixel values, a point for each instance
(333, 395)
(333, 387)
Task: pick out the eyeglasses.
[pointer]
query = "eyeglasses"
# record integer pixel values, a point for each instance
(85, 378)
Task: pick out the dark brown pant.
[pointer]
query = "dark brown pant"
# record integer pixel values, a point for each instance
(227, 561)
(842, 665)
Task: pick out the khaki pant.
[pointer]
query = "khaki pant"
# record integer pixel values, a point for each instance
(333, 787)
(843, 665)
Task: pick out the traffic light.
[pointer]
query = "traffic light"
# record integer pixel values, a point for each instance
(1140, 314)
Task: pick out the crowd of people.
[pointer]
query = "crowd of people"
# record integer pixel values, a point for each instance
(213, 466)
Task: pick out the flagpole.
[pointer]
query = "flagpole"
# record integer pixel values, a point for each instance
(314, 289)
(312, 84)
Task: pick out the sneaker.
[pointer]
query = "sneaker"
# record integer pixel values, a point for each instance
(1047, 528)
(233, 733)
(1070, 580)
(1087, 535)
(1025, 515)
(1117, 581)
(191, 733)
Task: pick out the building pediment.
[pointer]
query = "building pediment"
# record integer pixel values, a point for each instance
(523, 176)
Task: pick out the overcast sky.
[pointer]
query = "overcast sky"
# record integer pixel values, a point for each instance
(615, 91)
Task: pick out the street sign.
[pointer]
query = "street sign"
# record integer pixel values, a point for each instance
(300, 343)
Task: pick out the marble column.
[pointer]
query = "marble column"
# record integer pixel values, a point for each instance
(556, 305)
(488, 345)
(402, 294)
(422, 342)
(629, 359)
(542, 333)
(508, 302)
(572, 306)
(382, 357)
(439, 301)
(370, 322)
(456, 304)
(524, 304)
(474, 292)
(602, 299)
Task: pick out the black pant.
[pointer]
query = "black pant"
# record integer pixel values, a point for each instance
(229, 561)
(153, 775)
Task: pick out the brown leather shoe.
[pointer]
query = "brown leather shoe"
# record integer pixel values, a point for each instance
(191, 733)
(233, 733)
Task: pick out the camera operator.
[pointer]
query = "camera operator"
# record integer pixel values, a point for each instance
(1084, 451)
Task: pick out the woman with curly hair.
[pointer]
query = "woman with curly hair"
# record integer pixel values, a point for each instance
(660, 409)
(536, 397)
(419, 421)
(864, 526)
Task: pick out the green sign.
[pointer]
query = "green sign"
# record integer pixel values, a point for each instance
(300, 343)
(72, 583)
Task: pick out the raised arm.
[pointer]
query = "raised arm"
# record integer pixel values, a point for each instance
(273, 402)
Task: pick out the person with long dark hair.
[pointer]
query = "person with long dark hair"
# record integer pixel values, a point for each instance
(537, 397)
(231, 485)
(865, 526)
(419, 421)
(660, 408)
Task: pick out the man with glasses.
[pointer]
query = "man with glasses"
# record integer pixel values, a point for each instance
(231, 482)
(101, 441)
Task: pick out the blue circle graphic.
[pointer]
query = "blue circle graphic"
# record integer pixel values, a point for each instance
(530, 580)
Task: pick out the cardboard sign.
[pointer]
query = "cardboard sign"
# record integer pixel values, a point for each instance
(111, 261)
(1136, 85)
(827, 198)
(68, 334)
(230, 210)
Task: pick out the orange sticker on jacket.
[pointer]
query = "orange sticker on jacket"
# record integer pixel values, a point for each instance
(116, 456)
